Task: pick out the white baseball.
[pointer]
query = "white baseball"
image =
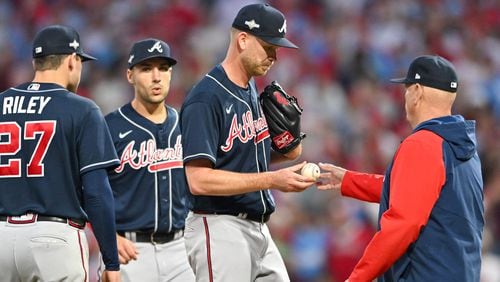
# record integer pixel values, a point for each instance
(310, 170)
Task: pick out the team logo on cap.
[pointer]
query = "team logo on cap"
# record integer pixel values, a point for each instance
(130, 59)
(417, 76)
(74, 44)
(157, 47)
(252, 24)
(283, 28)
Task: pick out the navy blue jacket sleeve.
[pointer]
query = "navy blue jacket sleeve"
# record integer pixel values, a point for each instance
(99, 206)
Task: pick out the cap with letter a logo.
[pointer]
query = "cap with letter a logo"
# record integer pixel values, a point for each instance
(148, 49)
(265, 22)
(58, 40)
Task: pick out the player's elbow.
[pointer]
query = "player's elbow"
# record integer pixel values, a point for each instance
(196, 175)
(196, 189)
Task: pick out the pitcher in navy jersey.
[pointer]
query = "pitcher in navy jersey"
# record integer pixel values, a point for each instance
(149, 186)
(227, 155)
(55, 149)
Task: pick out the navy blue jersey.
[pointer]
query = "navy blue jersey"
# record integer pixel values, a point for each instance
(49, 137)
(224, 123)
(149, 186)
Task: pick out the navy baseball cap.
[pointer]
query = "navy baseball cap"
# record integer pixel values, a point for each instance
(265, 22)
(148, 49)
(432, 71)
(58, 40)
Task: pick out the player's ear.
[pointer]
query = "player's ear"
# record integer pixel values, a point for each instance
(242, 40)
(71, 61)
(130, 77)
(418, 94)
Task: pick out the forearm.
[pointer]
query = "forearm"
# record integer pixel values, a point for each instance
(216, 182)
(362, 186)
(99, 206)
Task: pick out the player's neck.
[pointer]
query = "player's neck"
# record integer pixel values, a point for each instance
(51, 76)
(236, 72)
(156, 113)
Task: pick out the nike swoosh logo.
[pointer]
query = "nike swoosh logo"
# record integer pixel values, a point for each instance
(124, 134)
(228, 109)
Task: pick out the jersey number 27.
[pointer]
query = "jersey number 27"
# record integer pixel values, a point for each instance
(35, 167)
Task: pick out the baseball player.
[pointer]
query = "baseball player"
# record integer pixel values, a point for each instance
(227, 155)
(55, 149)
(149, 186)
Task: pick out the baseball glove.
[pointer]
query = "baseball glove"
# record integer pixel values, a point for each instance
(282, 113)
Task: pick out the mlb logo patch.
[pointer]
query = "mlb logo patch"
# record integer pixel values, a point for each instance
(34, 87)
(453, 85)
(38, 50)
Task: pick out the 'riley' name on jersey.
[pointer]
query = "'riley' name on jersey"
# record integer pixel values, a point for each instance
(24, 105)
(148, 155)
(250, 129)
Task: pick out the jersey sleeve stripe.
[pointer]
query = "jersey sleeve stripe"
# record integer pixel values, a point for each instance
(199, 156)
(113, 161)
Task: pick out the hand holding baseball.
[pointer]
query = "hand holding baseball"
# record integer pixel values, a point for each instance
(289, 180)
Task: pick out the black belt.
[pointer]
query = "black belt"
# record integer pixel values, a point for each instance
(31, 218)
(152, 237)
(262, 218)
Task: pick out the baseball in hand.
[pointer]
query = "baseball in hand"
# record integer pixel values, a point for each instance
(310, 170)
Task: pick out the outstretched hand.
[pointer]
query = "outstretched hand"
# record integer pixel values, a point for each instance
(331, 177)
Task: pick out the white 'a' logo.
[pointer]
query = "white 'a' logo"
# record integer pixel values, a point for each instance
(283, 28)
(156, 47)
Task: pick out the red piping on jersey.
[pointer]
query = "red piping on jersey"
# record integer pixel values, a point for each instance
(261, 136)
(165, 165)
(209, 255)
(81, 255)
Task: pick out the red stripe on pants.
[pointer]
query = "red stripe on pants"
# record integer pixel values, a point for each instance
(209, 256)
(81, 255)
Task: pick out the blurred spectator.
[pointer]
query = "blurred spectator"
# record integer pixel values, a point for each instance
(352, 117)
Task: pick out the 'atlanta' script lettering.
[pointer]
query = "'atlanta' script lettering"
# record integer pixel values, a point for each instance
(148, 155)
(247, 130)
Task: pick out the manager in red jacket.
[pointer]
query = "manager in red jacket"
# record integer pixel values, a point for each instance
(431, 214)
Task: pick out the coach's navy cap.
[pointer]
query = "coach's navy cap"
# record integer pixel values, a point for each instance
(432, 71)
(265, 22)
(58, 40)
(148, 49)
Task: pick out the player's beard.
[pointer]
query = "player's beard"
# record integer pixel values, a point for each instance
(263, 68)
(257, 68)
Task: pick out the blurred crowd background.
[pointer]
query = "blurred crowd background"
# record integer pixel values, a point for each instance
(352, 116)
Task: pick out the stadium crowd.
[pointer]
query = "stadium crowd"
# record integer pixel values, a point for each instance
(352, 116)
